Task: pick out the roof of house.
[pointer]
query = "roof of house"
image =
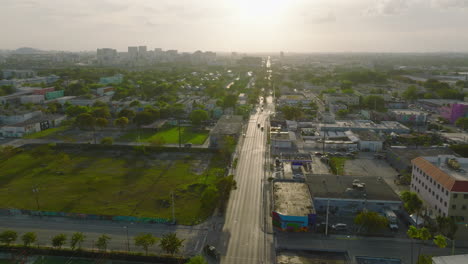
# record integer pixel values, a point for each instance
(36, 120)
(452, 180)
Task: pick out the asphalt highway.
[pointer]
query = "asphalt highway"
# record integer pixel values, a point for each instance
(243, 232)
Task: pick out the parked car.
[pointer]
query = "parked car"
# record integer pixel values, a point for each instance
(211, 252)
(188, 145)
(340, 226)
(318, 153)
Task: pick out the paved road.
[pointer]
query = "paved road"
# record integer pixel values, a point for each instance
(243, 239)
(46, 228)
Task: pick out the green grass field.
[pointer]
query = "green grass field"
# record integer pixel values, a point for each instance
(47, 132)
(106, 184)
(168, 136)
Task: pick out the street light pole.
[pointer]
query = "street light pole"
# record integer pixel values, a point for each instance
(128, 240)
(35, 190)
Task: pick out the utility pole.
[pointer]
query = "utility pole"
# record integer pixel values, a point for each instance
(35, 190)
(173, 208)
(180, 141)
(326, 221)
(128, 240)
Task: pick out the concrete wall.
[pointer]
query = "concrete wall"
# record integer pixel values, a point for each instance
(292, 223)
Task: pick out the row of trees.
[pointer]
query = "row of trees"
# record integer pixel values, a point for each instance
(169, 243)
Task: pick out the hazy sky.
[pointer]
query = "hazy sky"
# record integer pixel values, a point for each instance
(237, 25)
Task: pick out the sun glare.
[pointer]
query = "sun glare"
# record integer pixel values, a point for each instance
(259, 11)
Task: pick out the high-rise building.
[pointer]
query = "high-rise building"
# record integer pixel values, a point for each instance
(106, 56)
(133, 53)
(142, 51)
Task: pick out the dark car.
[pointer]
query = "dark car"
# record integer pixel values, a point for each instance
(211, 252)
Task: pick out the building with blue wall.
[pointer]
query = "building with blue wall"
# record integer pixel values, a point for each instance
(293, 207)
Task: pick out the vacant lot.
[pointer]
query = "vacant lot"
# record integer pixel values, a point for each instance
(125, 183)
(167, 136)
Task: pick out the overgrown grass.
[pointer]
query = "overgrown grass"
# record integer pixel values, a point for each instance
(47, 132)
(337, 165)
(167, 136)
(101, 183)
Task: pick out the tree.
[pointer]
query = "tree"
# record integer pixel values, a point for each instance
(374, 102)
(292, 112)
(411, 202)
(128, 113)
(462, 122)
(121, 122)
(135, 103)
(411, 93)
(342, 113)
(197, 260)
(59, 240)
(440, 241)
(75, 110)
(8, 236)
(447, 226)
(170, 243)
(143, 118)
(107, 141)
(76, 240)
(85, 120)
(29, 238)
(101, 122)
(209, 197)
(198, 116)
(145, 241)
(230, 100)
(99, 103)
(102, 112)
(372, 221)
(102, 242)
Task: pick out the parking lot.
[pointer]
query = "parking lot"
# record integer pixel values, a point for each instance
(352, 229)
(366, 165)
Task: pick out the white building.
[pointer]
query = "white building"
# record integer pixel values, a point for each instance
(442, 183)
(7, 118)
(30, 126)
(281, 140)
(132, 53)
(34, 99)
(367, 140)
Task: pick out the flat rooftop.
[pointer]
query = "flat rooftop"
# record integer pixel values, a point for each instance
(341, 187)
(364, 124)
(407, 112)
(406, 153)
(440, 161)
(456, 259)
(292, 97)
(292, 198)
(367, 135)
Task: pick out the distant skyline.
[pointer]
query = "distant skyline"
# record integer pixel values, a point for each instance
(237, 25)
